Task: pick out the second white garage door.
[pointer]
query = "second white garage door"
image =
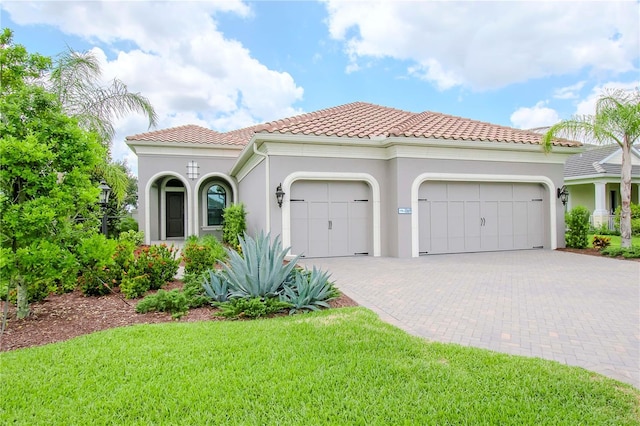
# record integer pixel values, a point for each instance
(456, 217)
(330, 218)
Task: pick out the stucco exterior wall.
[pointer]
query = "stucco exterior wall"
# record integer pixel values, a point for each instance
(251, 191)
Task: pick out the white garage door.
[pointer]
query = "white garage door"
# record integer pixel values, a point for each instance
(330, 218)
(458, 217)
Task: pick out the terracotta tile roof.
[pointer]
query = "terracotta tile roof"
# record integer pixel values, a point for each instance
(189, 133)
(360, 120)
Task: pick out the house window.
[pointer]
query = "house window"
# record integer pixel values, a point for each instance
(216, 202)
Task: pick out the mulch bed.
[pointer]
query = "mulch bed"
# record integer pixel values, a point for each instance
(594, 252)
(64, 316)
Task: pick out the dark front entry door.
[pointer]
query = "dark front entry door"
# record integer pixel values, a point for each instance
(175, 214)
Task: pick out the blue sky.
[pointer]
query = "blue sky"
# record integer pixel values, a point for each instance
(230, 64)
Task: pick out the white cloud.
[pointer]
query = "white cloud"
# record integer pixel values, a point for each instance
(176, 57)
(484, 45)
(588, 105)
(533, 117)
(569, 92)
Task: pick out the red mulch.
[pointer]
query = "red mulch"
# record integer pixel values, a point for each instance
(64, 316)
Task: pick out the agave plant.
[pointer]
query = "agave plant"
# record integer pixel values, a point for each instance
(260, 271)
(309, 290)
(216, 287)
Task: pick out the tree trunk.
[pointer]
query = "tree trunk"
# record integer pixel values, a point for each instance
(625, 192)
(23, 297)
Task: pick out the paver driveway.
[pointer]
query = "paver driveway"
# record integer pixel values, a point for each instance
(576, 309)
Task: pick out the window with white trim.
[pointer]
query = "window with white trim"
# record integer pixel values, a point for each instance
(216, 202)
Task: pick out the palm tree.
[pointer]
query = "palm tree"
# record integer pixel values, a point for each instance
(75, 79)
(617, 120)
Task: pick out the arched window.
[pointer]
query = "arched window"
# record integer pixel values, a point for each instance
(216, 202)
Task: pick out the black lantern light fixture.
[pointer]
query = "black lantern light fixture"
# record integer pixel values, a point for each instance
(279, 195)
(563, 195)
(105, 192)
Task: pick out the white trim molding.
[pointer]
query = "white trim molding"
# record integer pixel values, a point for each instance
(330, 176)
(463, 177)
(147, 210)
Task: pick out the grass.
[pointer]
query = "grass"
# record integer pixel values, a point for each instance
(333, 367)
(615, 240)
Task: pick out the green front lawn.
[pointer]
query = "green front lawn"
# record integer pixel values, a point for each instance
(333, 367)
(615, 240)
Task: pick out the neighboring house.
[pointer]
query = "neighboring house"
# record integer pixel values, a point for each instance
(593, 180)
(358, 179)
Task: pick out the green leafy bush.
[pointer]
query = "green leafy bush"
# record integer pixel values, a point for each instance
(175, 302)
(309, 290)
(123, 260)
(603, 229)
(134, 287)
(134, 236)
(632, 252)
(47, 267)
(201, 254)
(159, 263)
(193, 290)
(577, 221)
(600, 242)
(95, 255)
(251, 308)
(635, 218)
(127, 224)
(234, 224)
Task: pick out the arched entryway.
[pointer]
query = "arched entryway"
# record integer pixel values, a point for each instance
(167, 212)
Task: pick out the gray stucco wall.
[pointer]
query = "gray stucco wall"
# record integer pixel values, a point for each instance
(252, 193)
(155, 167)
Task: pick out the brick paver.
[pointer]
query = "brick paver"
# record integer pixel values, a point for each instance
(576, 309)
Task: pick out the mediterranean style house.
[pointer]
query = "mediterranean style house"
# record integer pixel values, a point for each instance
(592, 179)
(358, 179)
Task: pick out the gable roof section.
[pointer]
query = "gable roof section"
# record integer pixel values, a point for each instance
(590, 163)
(357, 120)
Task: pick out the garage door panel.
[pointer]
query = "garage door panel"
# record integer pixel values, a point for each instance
(480, 216)
(337, 221)
(434, 191)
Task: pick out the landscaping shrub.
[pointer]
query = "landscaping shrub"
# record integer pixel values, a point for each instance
(193, 290)
(127, 224)
(216, 286)
(95, 255)
(260, 282)
(254, 307)
(159, 263)
(175, 302)
(632, 252)
(201, 254)
(260, 271)
(309, 290)
(603, 229)
(123, 260)
(600, 242)
(234, 224)
(134, 236)
(635, 219)
(134, 287)
(577, 221)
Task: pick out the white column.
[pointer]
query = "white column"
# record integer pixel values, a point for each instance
(600, 214)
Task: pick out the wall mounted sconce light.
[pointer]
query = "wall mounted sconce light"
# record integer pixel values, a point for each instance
(279, 195)
(192, 170)
(563, 194)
